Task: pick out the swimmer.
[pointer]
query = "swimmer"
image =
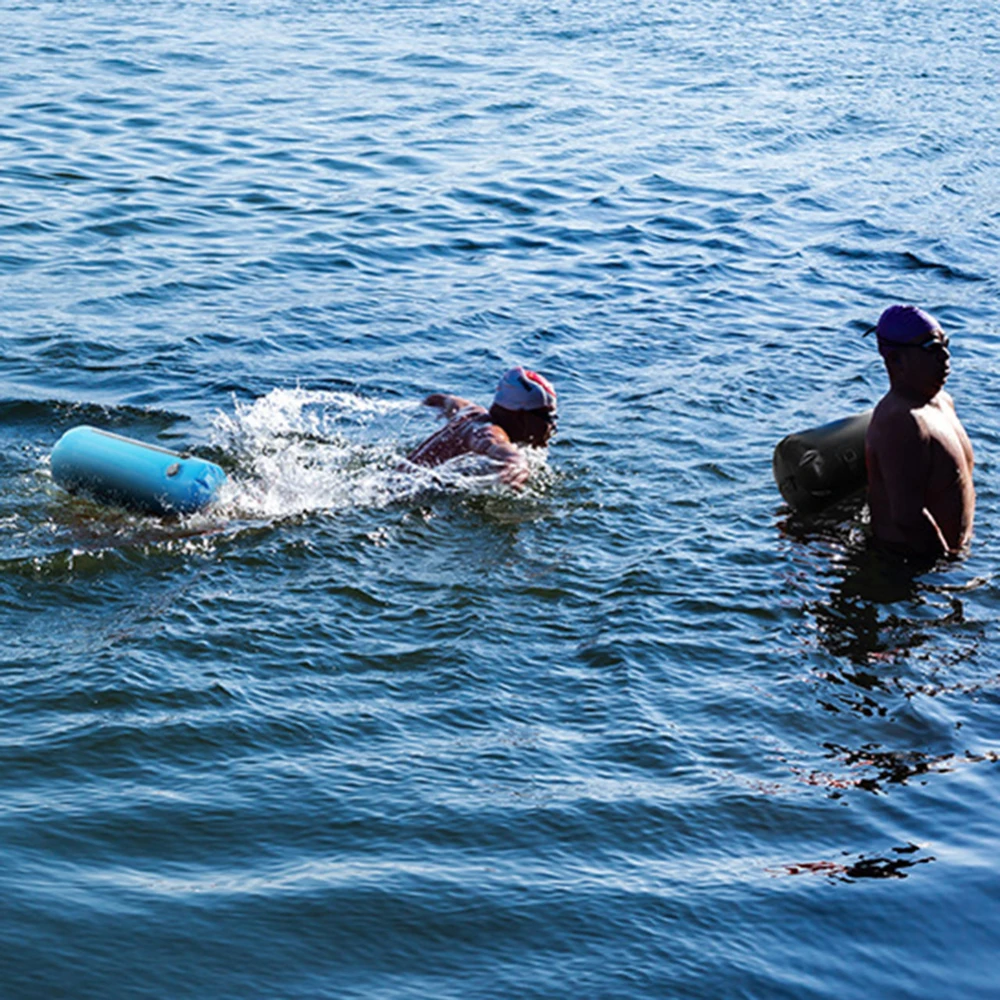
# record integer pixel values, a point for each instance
(918, 454)
(523, 412)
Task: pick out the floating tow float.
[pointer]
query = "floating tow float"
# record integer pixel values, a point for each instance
(123, 472)
(819, 466)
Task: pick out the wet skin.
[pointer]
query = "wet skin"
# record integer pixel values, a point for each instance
(471, 429)
(919, 457)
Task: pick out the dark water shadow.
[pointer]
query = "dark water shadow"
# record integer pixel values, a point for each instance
(895, 629)
(877, 606)
(860, 867)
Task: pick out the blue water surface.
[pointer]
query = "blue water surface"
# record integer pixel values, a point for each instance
(636, 731)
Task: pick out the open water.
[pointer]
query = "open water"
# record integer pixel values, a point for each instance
(635, 732)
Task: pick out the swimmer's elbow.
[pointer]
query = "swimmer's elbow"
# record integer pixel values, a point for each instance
(436, 400)
(447, 404)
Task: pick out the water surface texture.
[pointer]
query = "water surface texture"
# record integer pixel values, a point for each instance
(634, 732)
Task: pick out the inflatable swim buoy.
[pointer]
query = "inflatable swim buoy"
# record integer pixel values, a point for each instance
(117, 470)
(819, 466)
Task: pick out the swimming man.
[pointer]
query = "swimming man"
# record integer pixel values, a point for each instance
(523, 412)
(918, 455)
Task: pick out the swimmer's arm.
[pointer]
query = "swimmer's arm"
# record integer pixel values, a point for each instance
(448, 405)
(902, 456)
(495, 445)
(949, 404)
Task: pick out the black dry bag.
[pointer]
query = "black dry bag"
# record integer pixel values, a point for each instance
(819, 466)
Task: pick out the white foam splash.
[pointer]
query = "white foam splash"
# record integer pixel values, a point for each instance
(302, 451)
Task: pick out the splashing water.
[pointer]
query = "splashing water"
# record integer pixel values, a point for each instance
(300, 451)
(291, 453)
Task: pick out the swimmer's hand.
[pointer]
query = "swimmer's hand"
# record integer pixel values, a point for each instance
(514, 472)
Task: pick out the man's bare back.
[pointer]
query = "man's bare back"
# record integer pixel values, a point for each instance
(469, 430)
(919, 457)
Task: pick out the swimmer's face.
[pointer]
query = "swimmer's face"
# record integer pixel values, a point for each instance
(539, 426)
(534, 427)
(925, 366)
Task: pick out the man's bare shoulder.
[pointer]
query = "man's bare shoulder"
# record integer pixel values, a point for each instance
(468, 429)
(894, 419)
(488, 436)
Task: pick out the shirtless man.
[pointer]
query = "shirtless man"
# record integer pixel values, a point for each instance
(523, 412)
(918, 455)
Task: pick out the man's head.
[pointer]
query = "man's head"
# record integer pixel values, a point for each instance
(525, 407)
(914, 348)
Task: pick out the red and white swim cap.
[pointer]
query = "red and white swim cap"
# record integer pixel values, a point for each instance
(520, 389)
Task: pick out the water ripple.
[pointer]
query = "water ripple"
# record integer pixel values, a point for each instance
(391, 733)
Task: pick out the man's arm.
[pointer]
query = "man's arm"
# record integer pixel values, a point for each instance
(492, 442)
(899, 455)
(448, 405)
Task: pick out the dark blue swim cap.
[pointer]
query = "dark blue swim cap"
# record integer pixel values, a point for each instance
(905, 324)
